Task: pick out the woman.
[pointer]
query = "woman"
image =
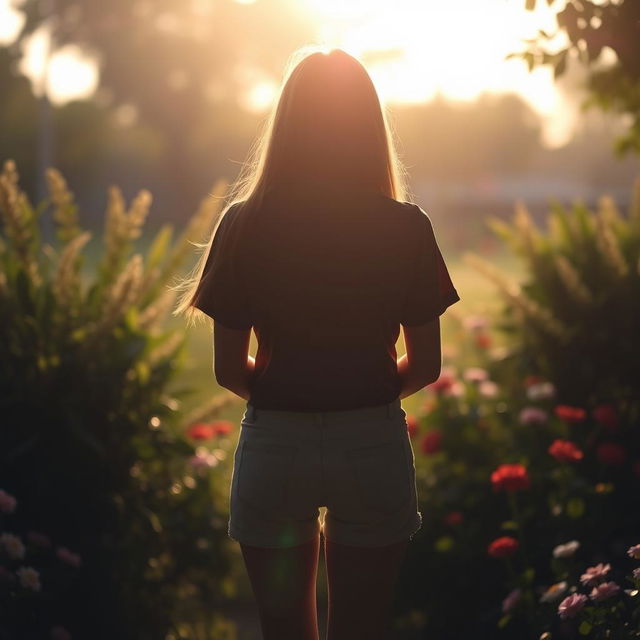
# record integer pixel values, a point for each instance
(319, 253)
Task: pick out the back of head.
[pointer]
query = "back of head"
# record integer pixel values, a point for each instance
(329, 126)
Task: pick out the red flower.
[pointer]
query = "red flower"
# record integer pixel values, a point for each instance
(570, 414)
(201, 431)
(412, 426)
(503, 547)
(431, 442)
(454, 518)
(531, 380)
(443, 383)
(607, 416)
(510, 477)
(565, 451)
(483, 340)
(611, 453)
(222, 427)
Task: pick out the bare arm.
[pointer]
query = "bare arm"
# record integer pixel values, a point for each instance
(422, 363)
(232, 365)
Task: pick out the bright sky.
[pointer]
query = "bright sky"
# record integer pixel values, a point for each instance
(413, 50)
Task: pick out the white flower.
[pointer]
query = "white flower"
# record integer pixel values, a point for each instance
(566, 550)
(13, 545)
(29, 578)
(541, 391)
(532, 415)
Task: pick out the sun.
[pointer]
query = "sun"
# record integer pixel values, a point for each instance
(417, 49)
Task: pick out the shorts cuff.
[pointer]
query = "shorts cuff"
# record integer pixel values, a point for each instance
(289, 537)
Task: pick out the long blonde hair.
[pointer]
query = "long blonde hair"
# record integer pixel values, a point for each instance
(328, 124)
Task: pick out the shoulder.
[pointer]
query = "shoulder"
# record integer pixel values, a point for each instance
(413, 215)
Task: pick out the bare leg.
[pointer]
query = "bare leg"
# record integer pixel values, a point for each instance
(361, 585)
(284, 586)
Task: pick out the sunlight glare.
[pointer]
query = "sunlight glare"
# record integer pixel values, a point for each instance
(417, 49)
(69, 74)
(11, 22)
(260, 97)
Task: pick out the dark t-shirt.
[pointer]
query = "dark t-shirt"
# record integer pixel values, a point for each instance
(325, 280)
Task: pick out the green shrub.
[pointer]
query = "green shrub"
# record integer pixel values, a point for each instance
(92, 444)
(575, 317)
(510, 406)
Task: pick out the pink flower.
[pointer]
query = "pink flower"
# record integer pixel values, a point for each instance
(29, 578)
(475, 323)
(636, 573)
(13, 545)
(203, 459)
(571, 605)
(475, 374)
(456, 389)
(68, 556)
(511, 600)
(595, 574)
(7, 502)
(604, 591)
(488, 389)
(634, 552)
(532, 415)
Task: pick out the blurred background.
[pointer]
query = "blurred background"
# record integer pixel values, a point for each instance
(496, 105)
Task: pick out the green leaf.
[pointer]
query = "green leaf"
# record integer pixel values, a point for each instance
(444, 544)
(509, 525)
(159, 247)
(584, 628)
(504, 621)
(575, 507)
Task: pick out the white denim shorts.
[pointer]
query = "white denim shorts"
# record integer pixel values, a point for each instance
(357, 463)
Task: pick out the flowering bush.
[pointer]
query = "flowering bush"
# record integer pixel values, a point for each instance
(92, 443)
(27, 592)
(538, 449)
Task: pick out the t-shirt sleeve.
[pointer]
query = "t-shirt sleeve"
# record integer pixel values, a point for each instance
(430, 291)
(221, 293)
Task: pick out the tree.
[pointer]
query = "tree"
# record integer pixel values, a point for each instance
(590, 26)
